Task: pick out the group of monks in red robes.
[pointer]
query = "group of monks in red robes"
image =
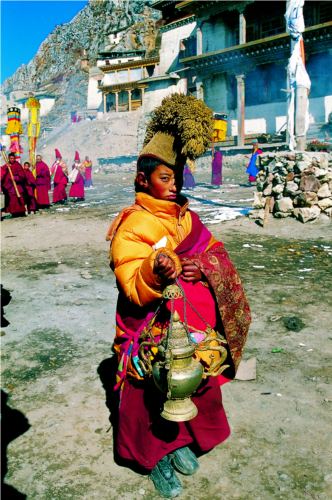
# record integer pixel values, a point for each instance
(23, 191)
(80, 177)
(26, 192)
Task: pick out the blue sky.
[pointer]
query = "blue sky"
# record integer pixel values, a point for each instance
(25, 24)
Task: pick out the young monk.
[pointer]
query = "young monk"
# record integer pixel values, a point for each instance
(154, 243)
(30, 187)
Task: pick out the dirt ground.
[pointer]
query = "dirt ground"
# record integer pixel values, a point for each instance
(57, 346)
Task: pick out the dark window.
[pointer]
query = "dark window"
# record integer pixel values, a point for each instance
(231, 23)
(136, 94)
(265, 19)
(110, 102)
(232, 37)
(251, 32)
(325, 12)
(188, 47)
(272, 27)
(317, 12)
(309, 14)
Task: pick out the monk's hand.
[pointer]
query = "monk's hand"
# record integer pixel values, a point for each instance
(164, 267)
(190, 272)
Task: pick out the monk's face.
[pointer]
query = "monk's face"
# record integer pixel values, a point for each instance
(11, 159)
(164, 183)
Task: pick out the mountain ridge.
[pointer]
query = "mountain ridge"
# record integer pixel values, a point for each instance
(57, 63)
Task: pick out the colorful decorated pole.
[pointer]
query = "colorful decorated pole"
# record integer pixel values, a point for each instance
(14, 130)
(33, 106)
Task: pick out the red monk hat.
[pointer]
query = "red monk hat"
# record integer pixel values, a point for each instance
(57, 154)
(77, 156)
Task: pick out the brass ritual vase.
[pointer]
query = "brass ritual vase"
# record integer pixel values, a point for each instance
(176, 373)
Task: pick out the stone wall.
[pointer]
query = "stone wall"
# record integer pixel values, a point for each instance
(294, 185)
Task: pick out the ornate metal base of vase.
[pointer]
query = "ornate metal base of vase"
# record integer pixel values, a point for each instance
(179, 410)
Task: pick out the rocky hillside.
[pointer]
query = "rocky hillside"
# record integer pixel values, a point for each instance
(57, 64)
(113, 136)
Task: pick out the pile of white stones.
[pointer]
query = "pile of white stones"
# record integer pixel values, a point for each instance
(294, 185)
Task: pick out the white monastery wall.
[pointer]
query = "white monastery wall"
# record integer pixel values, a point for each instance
(46, 105)
(271, 118)
(95, 96)
(154, 97)
(170, 45)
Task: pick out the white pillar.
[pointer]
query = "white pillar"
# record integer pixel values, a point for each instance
(240, 109)
(199, 42)
(200, 91)
(301, 104)
(242, 29)
(116, 102)
(129, 100)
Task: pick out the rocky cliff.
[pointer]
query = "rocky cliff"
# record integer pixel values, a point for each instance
(57, 65)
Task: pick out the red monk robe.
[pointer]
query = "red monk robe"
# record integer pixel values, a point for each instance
(30, 187)
(43, 183)
(14, 203)
(77, 188)
(60, 182)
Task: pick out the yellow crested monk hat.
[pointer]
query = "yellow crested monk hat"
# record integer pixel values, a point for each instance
(180, 128)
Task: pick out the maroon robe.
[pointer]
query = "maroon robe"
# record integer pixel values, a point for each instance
(43, 184)
(14, 204)
(30, 187)
(188, 178)
(60, 183)
(216, 179)
(144, 437)
(77, 187)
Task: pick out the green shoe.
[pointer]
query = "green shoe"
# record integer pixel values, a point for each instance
(184, 460)
(165, 480)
